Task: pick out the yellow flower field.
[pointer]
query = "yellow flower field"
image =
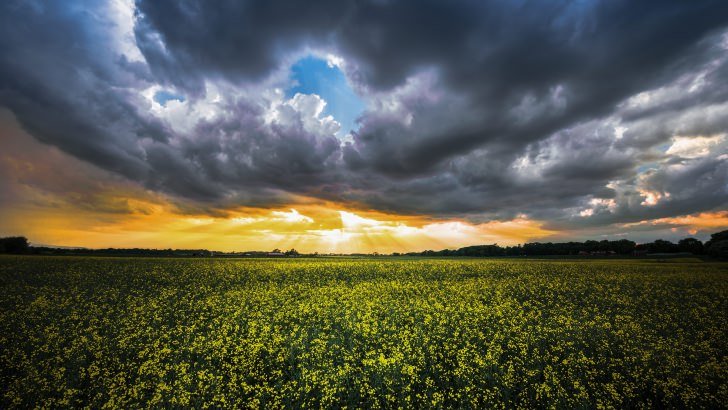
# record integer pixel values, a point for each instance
(371, 333)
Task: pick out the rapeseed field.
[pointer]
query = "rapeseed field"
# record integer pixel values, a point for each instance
(362, 333)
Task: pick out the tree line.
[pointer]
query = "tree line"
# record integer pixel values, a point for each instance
(717, 246)
(19, 245)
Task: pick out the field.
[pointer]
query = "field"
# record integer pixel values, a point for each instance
(375, 333)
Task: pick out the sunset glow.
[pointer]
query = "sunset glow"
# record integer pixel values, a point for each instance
(125, 131)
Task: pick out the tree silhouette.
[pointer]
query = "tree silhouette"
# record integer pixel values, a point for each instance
(14, 244)
(691, 245)
(717, 245)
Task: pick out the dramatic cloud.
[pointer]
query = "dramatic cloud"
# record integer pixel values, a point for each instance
(584, 115)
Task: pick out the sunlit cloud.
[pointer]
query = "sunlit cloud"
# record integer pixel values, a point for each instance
(692, 223)
(85, 206)
(115, 213)
(651, 198)
(295, 132)
(694, 147)
(292, 216)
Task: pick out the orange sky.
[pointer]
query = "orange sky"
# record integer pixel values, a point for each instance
(712, 221)
(53, 198)
(314, 228)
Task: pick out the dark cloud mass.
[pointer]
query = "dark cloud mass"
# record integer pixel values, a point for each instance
(578, 113)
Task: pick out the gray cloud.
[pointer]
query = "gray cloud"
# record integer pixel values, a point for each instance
(475, 109)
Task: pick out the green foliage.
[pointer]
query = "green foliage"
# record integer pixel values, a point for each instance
(372, 333)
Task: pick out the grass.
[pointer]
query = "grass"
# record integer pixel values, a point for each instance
(376, 333)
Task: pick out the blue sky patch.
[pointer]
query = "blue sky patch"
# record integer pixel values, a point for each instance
(162, 96)
(314, 76)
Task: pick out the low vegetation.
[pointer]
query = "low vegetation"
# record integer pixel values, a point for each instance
(274, 333)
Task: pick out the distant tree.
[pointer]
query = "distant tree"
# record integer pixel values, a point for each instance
(718, 249)
(623, 246)
(291, 252)
(691, 245)
(276, 250)
(14, 244)
(591, 246)
(661, 246)
(719, 236)
(717, 246)
(477, 250)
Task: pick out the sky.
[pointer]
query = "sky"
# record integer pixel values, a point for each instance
(361, 126)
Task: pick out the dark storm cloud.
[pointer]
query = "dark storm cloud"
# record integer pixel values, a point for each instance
(70, 89)
(594, 58)
(479, 109)
(495, 53)
(56, 74)
(237, 39)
